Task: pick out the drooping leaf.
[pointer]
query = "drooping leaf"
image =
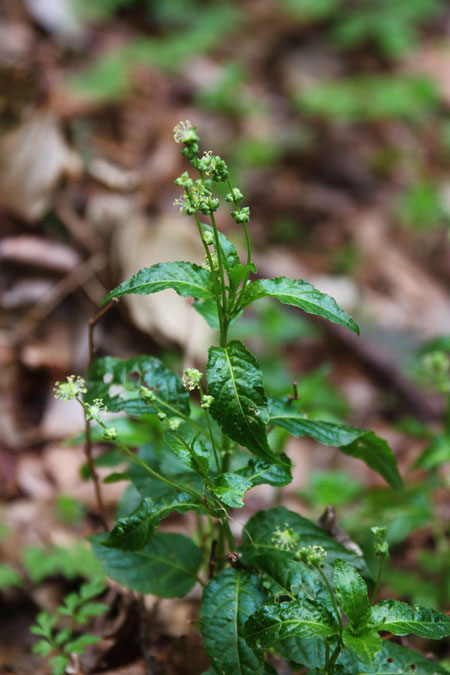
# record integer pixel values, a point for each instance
(197, 458)
(167, 566)
(240, 404)
(365, 645)
(184, 278)
(300, 618)
(290, 577)
(281, 531)
(300, 294)
(351, 592)
(259, 472)
(228, 600)
(109, 374)
(401, 619)
(359, 443)
(396, 659)
(208, 310)
(231, 488)
(132, 532)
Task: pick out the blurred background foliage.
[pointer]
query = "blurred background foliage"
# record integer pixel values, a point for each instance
(334, 118)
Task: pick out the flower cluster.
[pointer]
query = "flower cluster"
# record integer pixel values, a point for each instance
(191, 378)
(94, 409)
(110, 434)
(437, 367)
(206, 402)
(285, 540)
(313, 556)
(70, 389)
(214, 166)
(197, 197)
(147, 394)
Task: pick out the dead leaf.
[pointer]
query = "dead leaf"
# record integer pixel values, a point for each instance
(39, 252)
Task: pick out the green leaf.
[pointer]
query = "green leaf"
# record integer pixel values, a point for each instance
(228, 600)
(365, 445)
(230, 488)
(300, 618)
(45, 623)
(310, 653)
(184, 278)
(208, 310)
(167, 566)
(133, 532)
(396, 659)
(237, 274)
(258, 472)
(198, 457)
(290, 577)
(401, 619)
(108, 374)
(261, 536)
(351, 592)
(78, 645)
(365, 645)
(42, 648)
(89, 610)
(230, 256)
(9, 577)
(436, 454)
(59, 664)
(300, 294)
(240, 404)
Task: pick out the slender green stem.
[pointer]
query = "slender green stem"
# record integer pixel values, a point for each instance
(211, 435)
(249, 252)
(225, 453)
(213, 274)
(219, 260)
(327, 651)
(378, 581)
(333, 599)
(334, 657)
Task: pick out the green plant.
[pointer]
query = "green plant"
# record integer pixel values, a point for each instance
(285, 586)
(61, 644)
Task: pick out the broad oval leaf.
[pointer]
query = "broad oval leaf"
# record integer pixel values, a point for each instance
(185, 278)
(300, 618)
(300, 294)
(259, 472)
(351, 592)
(401, 619)
(359, 443)
(196, 457)
(132, 532)
(365, 645)
(239, 401)
(167, 566)
(290, 577)
(396, 659)
(231, 488)
(171, 395)
(228, 600)
(281, 531)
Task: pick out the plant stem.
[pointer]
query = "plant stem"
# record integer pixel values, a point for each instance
(333, 599)
(219, 259)
(378, 581)
(214, 277)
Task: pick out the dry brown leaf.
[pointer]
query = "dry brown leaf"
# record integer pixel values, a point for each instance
(40, 252)
(33, 158)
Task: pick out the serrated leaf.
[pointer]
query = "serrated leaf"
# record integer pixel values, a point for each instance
(300, 294)
(133, 532)
(231, 488)
(300, 618)
(365, 645)
(238, 273)
(240, 404)
(396, 659)
(351, 592)
(91, 609)
(42, 648)
(311, 652)
(290, 577)
(360, 443)
(172, 398)
(401, 619)
(228, 600)
(261, 535)
(185, 278)
(260, 472)
(167, 566)
(59, 664)
(196, 459)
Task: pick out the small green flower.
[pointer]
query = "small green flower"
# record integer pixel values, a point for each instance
(94, 409)
(241, 215)
(208, 237)
(437, 368)
(313, 556)
(162, 416)
(286, 539)
(184, 181)
(381, 546)
(71, 388)
(185, 133)
(206, 402)
(174, 423)
(147, 394)
(191, 378)
(110, 434)
(234, 196)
